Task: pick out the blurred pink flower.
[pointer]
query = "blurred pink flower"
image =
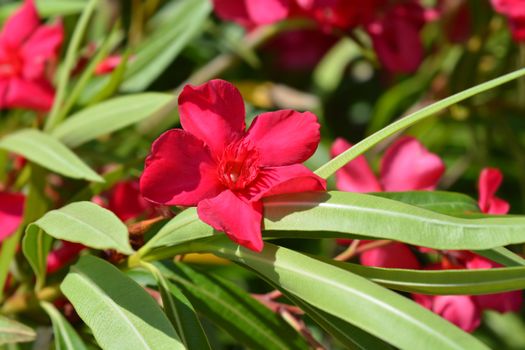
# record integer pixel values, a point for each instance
(26, 50)
(460, 310)
(252, 13)
(11, 213)
(501, 302)
(62, 256)
(214, 164)
(126, 201)
(488, 183)
(406, 166)
(515, 12)
(396, 38)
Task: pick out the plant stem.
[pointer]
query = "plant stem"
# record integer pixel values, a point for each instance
(55, 117)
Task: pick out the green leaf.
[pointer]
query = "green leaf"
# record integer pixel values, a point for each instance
(86, 223)
(66, 338)
(449, 203)
(121, 314)
(48, 152)
(46, 8)
(36, 245)
(350, 336)
(234, 310)
(156, 54)
(350, 297)
(502, 255)
(338, 162)
(108, 116)
(55, 117)
(14, 332)
(441, 282)
(346, 214)
(180, 312)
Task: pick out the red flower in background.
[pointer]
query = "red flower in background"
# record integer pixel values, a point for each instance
(515, 12)
(11, 213)
(489, 181)
(26, 50)
(406, 166)
(126, 201)
(222, 169)
(393, 26)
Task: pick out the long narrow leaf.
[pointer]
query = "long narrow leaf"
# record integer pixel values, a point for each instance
(338, 162)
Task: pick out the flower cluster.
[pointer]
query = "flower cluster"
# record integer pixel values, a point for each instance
(514, 10)
(394, 26)
(28, 53)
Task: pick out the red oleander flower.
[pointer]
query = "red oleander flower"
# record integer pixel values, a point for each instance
(252, 13)
(26, 50)
(514, 10)
(126, 201)
(396, 39)
(488, 183)
(406, 166)
(66, 253)
(215, 164)
(11, 213)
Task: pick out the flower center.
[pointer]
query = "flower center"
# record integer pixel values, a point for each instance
(239, 165)
(10, 65)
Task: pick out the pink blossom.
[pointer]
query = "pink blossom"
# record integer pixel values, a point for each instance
(488, 183)
(252, 13)
(460, 310)
(396, 38)
(395, 255)
(515, 12)
(126, 201)
(406, 165)
(214, 164)
(26, 50)
(501, 302)
(63, 255)
(11, 213)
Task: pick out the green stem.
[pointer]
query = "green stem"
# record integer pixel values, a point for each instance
(55, 117)
(338, 162)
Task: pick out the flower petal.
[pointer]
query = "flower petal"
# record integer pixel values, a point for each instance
(285, 137)
(267, 11)
(461, 310)
(179, 171)
(213, 112)
(237, 217)
(286, 179)
(11, 213)
(489, 181)
(498, 206)
(41, 48)
(127, 202)
(501, 302)
(63, 255)
(395, 255)
(250, 13)
(408, 165)
(37, 95)
(20, 25)
(355, 176)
